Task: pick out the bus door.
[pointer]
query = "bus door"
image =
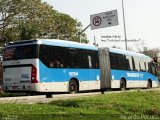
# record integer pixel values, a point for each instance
(154, 68)
(104, 61)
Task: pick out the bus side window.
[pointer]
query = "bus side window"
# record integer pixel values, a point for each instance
(84, 59)
(90, 61)
(130, 64)
(73, 58)
(146, 65)
(96, 60)
(133, 64)
(44, 54)
(93, 59)
(114, 61)
(142, 66)
(123, 62)
(136, 64)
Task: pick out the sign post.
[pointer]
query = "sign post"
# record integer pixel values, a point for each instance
(105, 19)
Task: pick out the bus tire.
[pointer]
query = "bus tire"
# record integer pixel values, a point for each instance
(73, 87)
(49, 95)
(122, 85)
(149, 84)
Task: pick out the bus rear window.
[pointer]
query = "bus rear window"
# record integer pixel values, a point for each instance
(20, 52)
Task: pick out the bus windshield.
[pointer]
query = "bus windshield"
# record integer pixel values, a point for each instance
(20, 52)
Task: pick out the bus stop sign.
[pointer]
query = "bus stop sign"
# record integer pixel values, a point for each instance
(105, 19)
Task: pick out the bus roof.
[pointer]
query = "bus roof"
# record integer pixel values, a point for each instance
(65, 43)
(129, 53)
(54, 42)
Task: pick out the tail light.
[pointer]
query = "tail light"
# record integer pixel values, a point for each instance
(34, 75)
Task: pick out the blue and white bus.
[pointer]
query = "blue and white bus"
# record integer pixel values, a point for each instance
(48, 66)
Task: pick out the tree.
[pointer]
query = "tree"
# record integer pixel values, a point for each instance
(29, 19)
(152, 52)
(8, 9)
(33, 21)
(68, 28)
(149, 52)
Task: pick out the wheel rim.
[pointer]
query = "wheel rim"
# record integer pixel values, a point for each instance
(123, 85)
(149, 85)
(73, 87)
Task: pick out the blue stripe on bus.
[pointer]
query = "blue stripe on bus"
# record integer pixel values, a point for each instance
(132, 75)
(65, 74)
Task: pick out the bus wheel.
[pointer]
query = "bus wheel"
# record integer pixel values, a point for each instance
(48, 95)
(149, 84)
(73, 87)
(123, 85)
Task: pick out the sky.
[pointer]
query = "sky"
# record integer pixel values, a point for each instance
(142, 21)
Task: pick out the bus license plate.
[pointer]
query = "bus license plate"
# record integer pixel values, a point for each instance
(16, 87)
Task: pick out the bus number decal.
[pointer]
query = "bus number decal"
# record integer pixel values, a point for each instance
(73, 73)
(134, 75)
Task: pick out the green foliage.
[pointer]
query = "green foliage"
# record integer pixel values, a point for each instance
(29, 19)
(110, 106)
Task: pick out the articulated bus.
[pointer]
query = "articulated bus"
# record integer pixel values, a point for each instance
(48, 66)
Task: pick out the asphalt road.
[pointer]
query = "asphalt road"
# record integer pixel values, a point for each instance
(43, 99)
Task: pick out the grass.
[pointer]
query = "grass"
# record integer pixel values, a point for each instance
(126, 105)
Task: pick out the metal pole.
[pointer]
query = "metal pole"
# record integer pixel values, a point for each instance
(125, 36)
(94, 40)
(82, 32)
